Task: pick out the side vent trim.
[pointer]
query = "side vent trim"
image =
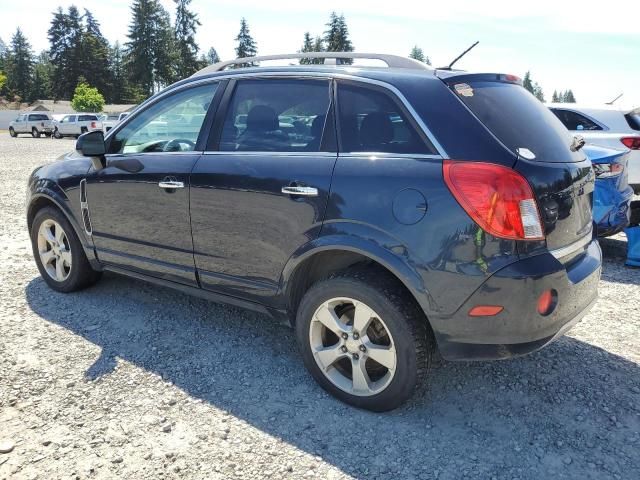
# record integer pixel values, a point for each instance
(84, 207)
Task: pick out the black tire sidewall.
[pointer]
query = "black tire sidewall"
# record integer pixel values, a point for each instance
(406, 375)
(35, 133)
(12, 132)
(81, 272)
(56, 133)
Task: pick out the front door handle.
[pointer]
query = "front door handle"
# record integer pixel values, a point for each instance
(300, 190)
(170, 184)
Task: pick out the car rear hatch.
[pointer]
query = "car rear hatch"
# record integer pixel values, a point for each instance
(544, 151)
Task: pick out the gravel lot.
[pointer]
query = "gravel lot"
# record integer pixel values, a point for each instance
(130, 380)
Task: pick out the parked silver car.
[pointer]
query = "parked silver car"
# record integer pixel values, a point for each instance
(76, 124)
(33, 123)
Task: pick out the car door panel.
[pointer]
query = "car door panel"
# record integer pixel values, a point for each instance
(244, 227)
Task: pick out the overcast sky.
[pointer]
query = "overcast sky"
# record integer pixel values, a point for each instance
(591, 47)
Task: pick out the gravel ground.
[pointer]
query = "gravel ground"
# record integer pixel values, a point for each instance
(130, 380)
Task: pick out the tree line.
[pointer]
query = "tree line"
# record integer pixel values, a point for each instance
(157, 53)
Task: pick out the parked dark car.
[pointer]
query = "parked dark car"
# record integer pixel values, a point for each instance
(612, 194)
(408, 209)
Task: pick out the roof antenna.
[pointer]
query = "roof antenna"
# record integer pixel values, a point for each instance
(613, 101)
(459, 57)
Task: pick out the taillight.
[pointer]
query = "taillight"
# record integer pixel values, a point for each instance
(631, 142)
(497, 198)
(93, 125)
(608, 170)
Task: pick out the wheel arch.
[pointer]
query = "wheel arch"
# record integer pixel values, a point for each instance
(327, 255)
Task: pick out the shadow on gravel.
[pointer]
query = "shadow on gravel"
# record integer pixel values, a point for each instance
(614, 252)
(571, 409)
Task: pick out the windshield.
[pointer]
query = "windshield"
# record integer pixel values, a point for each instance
(518, 119)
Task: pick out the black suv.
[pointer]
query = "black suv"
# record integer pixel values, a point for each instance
(382, 212)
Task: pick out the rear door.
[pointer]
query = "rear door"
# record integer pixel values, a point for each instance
(560, 174)
(261, 189)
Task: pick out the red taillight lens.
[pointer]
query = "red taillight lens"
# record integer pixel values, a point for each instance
(631, 142)
(93, 124)
(485, 310)
(497, 198)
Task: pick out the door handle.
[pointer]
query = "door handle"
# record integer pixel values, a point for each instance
(299, 190)
(170, 184)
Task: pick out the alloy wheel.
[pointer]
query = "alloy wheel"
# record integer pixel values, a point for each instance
(352, 346)
(54, 250)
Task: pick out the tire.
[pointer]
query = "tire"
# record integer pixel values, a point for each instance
(56, 133)
(35, 133)
(83, 130)
(12, 132)
(386, 304)
(75, 272)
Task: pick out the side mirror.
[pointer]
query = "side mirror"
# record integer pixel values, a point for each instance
(91, 144)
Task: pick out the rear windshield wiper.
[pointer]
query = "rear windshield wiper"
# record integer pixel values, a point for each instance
(577, 144)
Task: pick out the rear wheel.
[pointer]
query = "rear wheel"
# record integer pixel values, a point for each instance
(364, 340)
(35, 133)
(56, 133)
(83, 130)
(12, 132)
(59, 254)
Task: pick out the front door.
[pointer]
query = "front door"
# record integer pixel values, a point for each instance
(262, 192)
(67, 125)
(139, 203)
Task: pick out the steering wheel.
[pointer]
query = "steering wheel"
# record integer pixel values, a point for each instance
(173, 145)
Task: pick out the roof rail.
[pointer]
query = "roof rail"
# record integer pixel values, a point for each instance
(392, 61)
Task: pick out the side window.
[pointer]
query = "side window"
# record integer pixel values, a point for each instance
(575, 121)
(276, 115)
(371, 121)
(67, 119)
(170, 125)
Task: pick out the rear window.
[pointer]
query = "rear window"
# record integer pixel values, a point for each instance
(575, 121)
(633, 119)
(517, 119)
(38, 117)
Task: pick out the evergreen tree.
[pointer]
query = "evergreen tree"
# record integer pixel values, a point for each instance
(94, 55)
(527, 83)
(3, 53)
(537, 92)
(569, 97)
(150, 54)
(418, 54)
(555, 98)
(246, 44)
(212, 56)
(185, 30)
(307, 46)
(19, 65)
(43, 73)
(119, 91)
(336, 37)
(66, 50)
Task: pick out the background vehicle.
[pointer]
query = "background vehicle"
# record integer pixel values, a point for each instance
(612, 195)
(109, 121)
(76, 125)
(606, 126)
(35, 124)
(369, 233)
(122, 116)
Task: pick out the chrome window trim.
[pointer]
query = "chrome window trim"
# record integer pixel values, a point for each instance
(285, 153)
(573, 247)
(390, 155)
(328, 75)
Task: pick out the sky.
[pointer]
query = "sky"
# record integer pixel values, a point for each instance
(591, 47)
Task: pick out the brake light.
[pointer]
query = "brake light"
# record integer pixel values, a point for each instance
(631, 142)
(497, 198)
(93, 125)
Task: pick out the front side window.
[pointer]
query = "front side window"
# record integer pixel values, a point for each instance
(575, 121)
(276, 115)
(170, 125)
(371, 121)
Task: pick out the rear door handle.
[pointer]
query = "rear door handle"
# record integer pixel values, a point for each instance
(170, 184)
(299, 190)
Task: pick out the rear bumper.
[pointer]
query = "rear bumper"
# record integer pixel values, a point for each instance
(519, 329)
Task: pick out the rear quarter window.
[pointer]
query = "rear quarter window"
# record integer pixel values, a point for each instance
(517, 119)
(633, 119)
(38, 117)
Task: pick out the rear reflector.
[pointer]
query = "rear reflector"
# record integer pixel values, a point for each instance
(631, 142)
(547, 302)
(485, 310)
(497, 198)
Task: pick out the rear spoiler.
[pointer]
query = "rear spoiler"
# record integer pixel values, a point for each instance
(451, 77)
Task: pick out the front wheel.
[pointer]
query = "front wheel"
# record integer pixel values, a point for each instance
(35, 133)
(364, 340)
(59, 255)
(12, 132)
(57, 134)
